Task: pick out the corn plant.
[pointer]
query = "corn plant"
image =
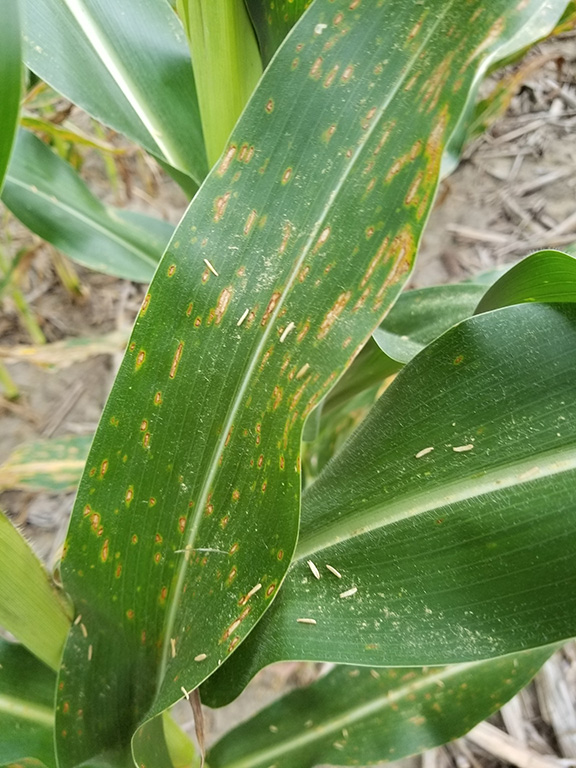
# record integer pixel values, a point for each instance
(429, 555)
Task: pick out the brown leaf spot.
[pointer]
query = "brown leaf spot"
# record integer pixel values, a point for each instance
(176, 360)
(129, 614)
(129, 495)
(158, 398)
(316, 69)
(250, 221)
(104, 551)
(103, 467)
(331, 76)
(226, 160)
(333, 314)
(182, 524)
(270, 308)
(222, 305)
(220, 205)
(269, 106)
(324, 235)
(171, 270)
(140, 359)
(286, 176)
(145, 304)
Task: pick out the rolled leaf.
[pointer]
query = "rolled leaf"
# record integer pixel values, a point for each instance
(273, 21)
(288, 258)
(449, 514)
(49, 197)
(359, 716)
(126, 64)
(547, 276)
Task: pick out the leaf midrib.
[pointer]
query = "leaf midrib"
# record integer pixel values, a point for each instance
(411, 505)
(247, 378)
(74, 212)
(26, 710)
(348, 718)
(122, 78)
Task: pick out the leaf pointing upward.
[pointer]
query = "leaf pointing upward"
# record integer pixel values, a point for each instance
(287, 259)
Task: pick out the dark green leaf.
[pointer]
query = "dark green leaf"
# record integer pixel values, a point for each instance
(546, 276)
(310, 223)
(450, 511)
(363, 716)
(30, 606)
(26, 708)
(10, 81)
(47, 195)
(273, 21)
(125, 63)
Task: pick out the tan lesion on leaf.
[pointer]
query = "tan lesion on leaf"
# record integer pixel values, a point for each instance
(226, 160)
(270, 308)
(145, 304)
(176, 360)
(220, 205)
(316, 69)
(250, 221)
(331, 76)
(374, 262)
(401, 253)
(222, 304)
(333, 314)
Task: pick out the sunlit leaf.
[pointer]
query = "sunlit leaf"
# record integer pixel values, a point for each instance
(30, 606)
(125, 63)
(287, 259)
(47, 195)
(451, 507)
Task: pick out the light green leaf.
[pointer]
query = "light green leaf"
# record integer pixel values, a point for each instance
(49, 197)
(546, 276)
(362, 716)
(226, 64)
(273, 21)
(26, 708)
(287, 259)
(30, 606)
(125, 63)
(449, 513)
(10, 81)
(53, 465)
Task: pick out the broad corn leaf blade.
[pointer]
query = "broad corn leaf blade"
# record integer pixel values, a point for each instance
(26, 708)
(287, 259)
(30, 606)
(359, 716)
(126, 64)
(451, 507)
(273, 21)
(49, 197)
(10, 81)
(53, 465)
(546, 276)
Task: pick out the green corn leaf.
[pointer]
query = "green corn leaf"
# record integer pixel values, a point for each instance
(26, 708)
(49, 197)
(10, 81)
(287, 259)
(125, 63)
(273, 21)
(53, 465)
(546, 276)
(226, 63)
(449, 513)
(359, 716)
(30, 606)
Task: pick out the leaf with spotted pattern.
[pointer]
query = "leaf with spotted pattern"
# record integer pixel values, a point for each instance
(385, 714)
(287, 259)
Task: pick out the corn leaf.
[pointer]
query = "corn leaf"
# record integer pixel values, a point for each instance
(287, 259)
(126, 64)
(449, 514)
(273, 21)
(359, 716)
(26, 708)
(10, 81)
(49, 197)
(548, 276)
(53, 465)
(30, 606)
